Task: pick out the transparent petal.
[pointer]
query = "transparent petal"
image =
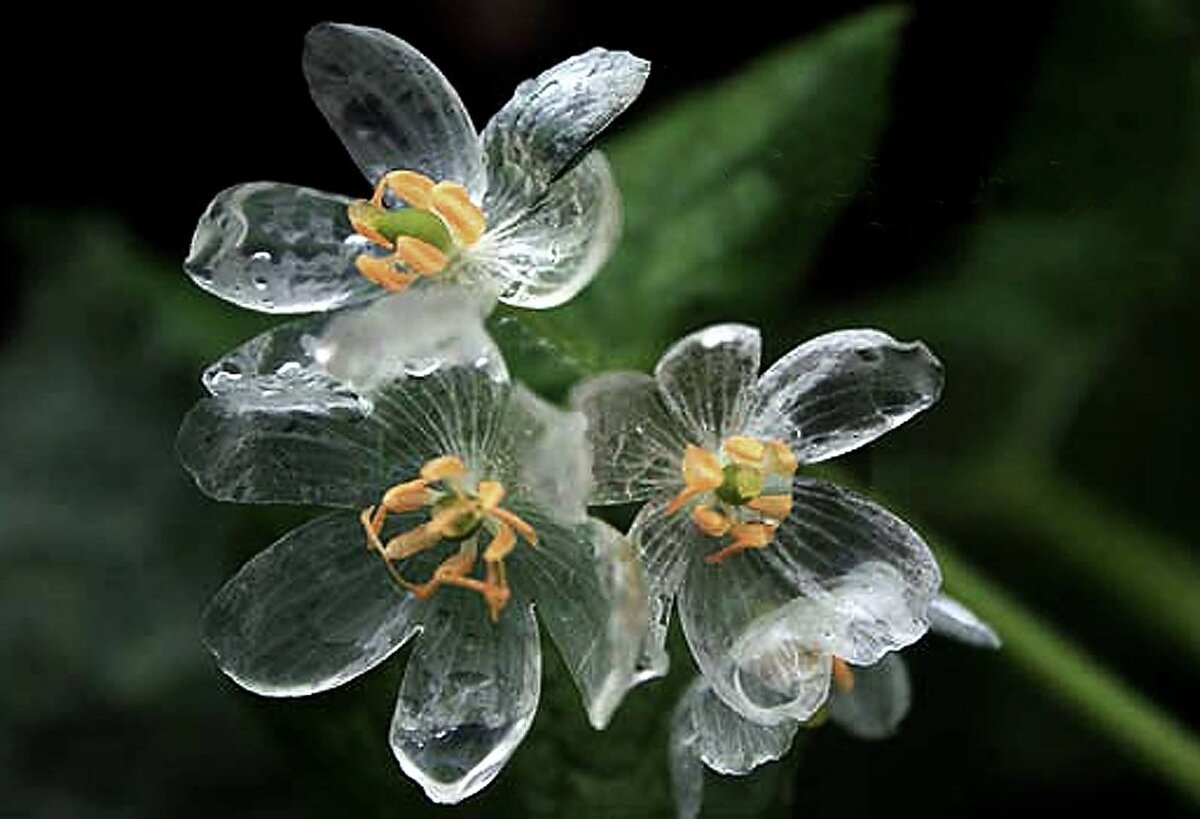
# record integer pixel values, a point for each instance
(637, 448)
(841, 390)
(550, 121)
(687, 772)
(551, 250)
(590, 595)
(708, 378)
(468, 697)
(726, 741)
(950, 618)
(877, 703)
(837, 541)
(332, 410)
(764, 650)
(666, 544)
(390, 106)
(313, 611)
(279, 249)
(541, 455)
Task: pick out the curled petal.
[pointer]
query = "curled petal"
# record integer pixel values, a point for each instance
(279, 249)
(390, 106)
(951, 618)
(590, 595)
(311, 612)
(332, 410)
(468, 696)
(837, 542)
(543, 457)
(550, 121)
(879, 700)
(636, 444)
(708, 380)
(548, 252)
(726, 741)
(844, 389)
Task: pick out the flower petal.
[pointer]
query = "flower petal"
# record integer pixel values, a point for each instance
(468, 697)
(708, 380)
(665, 544)
(332, 410)
(841, 390)
(550, 121)
(637, 450)
(551, 250)
(590, 595)
(390, 106)
(764, 651)
(877, 703)
(540, 453)
(279, 249)
(726, 741)
(313, 611)
(950, 618)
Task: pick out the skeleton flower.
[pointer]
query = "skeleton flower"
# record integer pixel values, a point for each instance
(461, 511)
(869, 702)
(744, 543)
(523, 210)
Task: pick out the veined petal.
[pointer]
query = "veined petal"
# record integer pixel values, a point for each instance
(550, 121)
(637, 448)
(765, 651)
(334, 409)
(279, 249)
(837, 541)
(725, 740)
(468, 697)
(844, 389)
(390, 106)
(950, 618)
(666, 545)
(548, 252)
(879, 700)
(708, 380)
(540, 452)
(589, 593)
(313, 611)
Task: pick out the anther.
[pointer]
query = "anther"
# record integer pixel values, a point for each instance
(744, 448)
(843, 677)
(772, 506)
(453, 204)
(419, 256)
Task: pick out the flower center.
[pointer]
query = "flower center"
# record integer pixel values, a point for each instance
(436, 219)
(458, 513)
(743, 493)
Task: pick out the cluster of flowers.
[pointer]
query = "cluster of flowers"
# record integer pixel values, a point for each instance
(461, 499)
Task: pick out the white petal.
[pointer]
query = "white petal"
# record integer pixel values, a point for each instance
(844, 389)
(666, 545)
(332, 410)
(548, 252)
(708, 380)
(637, 448)
(311, 612)
(877, 703)
(951, 618)
(550, 121)
(390, 106)
(279, 249)
(468, 697)
(542, 457)
(764, 651)
(835, 541)
(589, 593)
(687, 772)
(726, 741)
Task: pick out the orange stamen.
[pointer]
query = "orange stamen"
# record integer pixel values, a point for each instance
(419, 256)
(453, 204)
(843, 677)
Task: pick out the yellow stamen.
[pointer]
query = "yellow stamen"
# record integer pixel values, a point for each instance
(744, 448)
(382, 270)
(843, 677)
(710, 521)
(745, 536)
(362, 215)
(414, 189)
(447, 466)
(406, 497)
(520, 526)
(419, 256)
(490, 494)
(701, 473)
(780, 459)
(773, 506)
(453, 204)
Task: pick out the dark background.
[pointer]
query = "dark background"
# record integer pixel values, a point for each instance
(1015, 142)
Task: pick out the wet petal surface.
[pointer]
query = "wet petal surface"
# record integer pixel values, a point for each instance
(879, 700)
(708, 380)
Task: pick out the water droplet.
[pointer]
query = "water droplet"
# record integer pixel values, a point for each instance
(260, 283)
(260, 256)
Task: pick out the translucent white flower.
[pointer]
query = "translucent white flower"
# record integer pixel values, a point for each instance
(868, 701)
(461, 512)
(524, 209)
(743, 542)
